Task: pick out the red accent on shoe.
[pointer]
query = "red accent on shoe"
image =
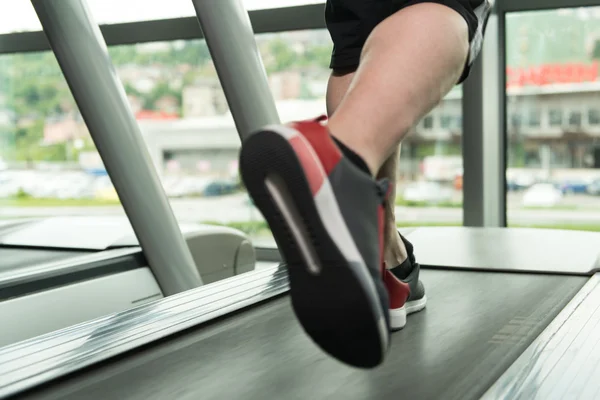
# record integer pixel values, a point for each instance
(310, 166)
(319, 138)
(398, 291)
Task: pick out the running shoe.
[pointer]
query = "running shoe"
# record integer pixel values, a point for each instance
(327, 217)
(397, 280)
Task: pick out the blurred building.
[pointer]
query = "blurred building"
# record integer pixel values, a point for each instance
(553, 117)
(286, 85)
(205, 98)
(547, 122)
(208, 145)
(64, 128)
(553, 120)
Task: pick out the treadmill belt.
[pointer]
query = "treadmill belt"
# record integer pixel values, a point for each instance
(475, 325)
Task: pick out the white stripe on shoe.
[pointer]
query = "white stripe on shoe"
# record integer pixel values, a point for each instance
(398, 318)
(416, 305)
(333, 221)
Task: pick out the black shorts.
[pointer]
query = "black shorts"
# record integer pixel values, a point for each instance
(350, 23)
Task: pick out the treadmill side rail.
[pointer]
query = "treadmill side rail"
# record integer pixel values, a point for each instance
(230, 39)
(49, 270)
(33, 362)
(82, 54)
(563, 362)
(54, 309)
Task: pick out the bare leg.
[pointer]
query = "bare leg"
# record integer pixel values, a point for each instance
(337, 87)
(408, 64)
(395, 251)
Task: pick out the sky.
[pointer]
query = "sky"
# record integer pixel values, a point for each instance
(20, 15)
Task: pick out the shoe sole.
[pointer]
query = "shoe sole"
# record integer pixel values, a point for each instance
(398, 315)
(332, 292)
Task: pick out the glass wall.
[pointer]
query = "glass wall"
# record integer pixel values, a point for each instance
(553, 118)
(51, 166)
(45, 148)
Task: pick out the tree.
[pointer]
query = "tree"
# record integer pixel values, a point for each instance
(159, 91)
(283, 55)
(122, 55)
(317, 55)
(28, 141)
(194, 52)
(131, 90)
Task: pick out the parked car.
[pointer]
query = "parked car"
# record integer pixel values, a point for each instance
(188, 186)
(220, 188)
(542, 195)
(519, 183)
(427, 192)
(572, 186)
(594, 188)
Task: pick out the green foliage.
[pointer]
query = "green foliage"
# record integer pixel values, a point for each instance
(159, 91)
(23, 200)
(192, 52)
(22, 195)
(542, 37)
(37, 89)
(438, 149)
(318, 55)
(401, 202)
(282, 56)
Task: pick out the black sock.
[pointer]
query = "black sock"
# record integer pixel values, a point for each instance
(352, 156)
(403, 270)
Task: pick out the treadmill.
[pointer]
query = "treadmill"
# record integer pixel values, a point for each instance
(47, 263)
(512, 313)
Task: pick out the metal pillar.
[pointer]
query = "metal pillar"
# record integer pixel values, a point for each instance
(230, 39)
(83, 57)
(484, 195)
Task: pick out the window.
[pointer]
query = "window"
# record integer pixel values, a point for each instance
(553, 173)
(594, 116)
(431, 167)
(49, 160)
(428, 122)
(175, 94)
(533, 118)
(516, 120)
(446, 121)
(575, 119)
(555, 117)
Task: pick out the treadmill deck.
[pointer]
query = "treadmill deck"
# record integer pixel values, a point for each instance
(475, 326)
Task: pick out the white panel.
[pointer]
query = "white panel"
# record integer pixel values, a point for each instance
(508, 249)
(26, 317)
